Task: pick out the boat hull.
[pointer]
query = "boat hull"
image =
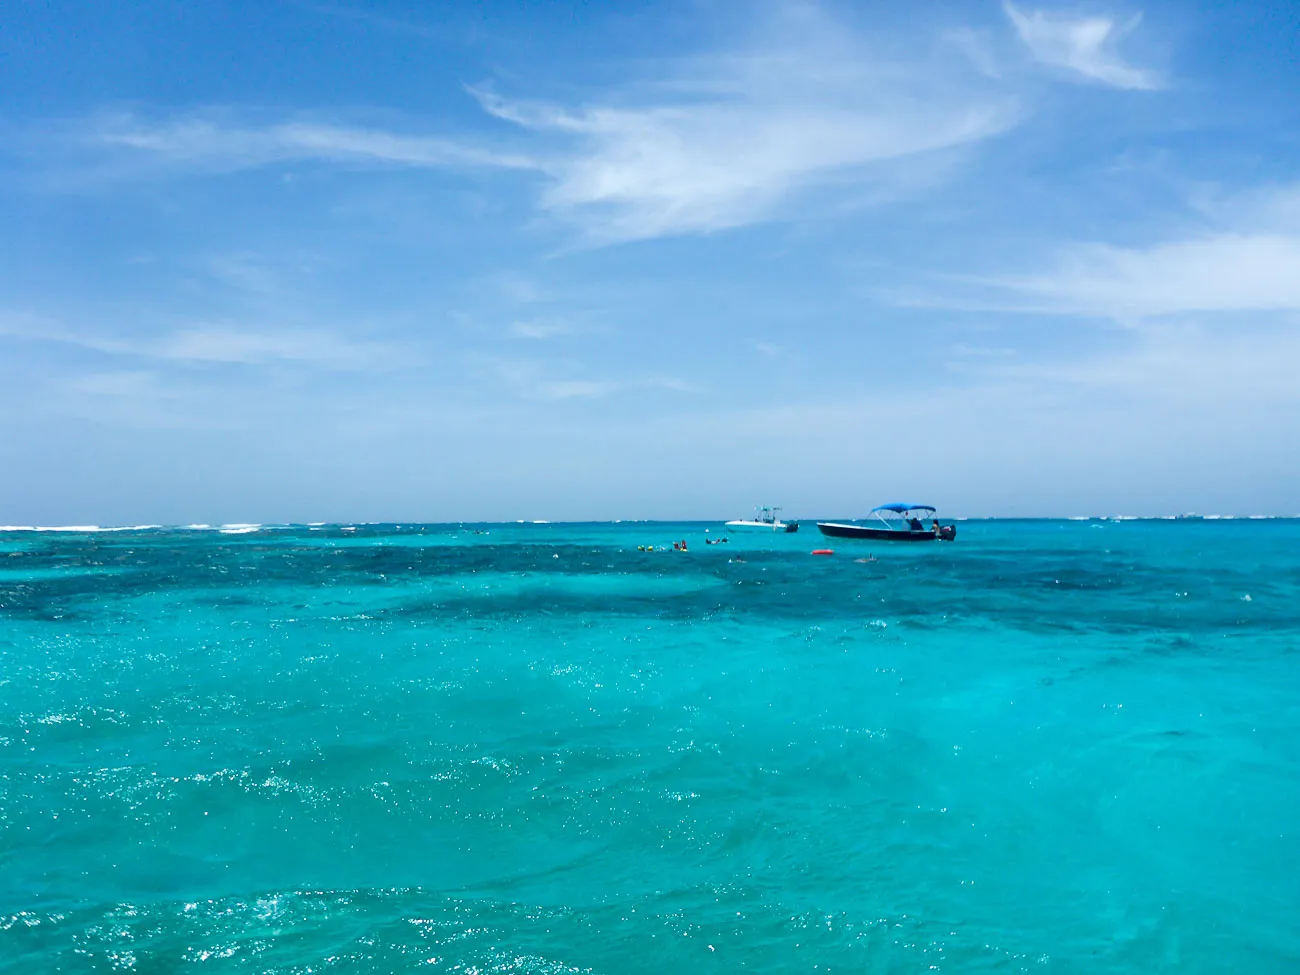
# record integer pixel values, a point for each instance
(836, 530)
(762, 526)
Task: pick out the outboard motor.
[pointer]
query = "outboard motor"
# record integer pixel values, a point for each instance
(947, 533)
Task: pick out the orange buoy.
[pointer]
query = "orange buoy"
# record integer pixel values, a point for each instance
(823, 551)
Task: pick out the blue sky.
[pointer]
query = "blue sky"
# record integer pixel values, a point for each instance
(335, 261)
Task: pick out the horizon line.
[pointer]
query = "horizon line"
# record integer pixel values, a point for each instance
(249, 527)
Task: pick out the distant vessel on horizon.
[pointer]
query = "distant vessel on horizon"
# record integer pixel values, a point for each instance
(765, 520)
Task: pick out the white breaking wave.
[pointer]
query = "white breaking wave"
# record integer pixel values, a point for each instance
(75, 528)
(239, 529)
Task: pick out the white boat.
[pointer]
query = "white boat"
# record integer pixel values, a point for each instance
(766, 520)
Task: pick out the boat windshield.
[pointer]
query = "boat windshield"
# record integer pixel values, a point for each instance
(902, 517)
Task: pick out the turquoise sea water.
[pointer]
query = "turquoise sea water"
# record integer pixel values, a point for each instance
(1053, 747)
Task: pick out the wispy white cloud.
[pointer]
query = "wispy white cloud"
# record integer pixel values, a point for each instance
(976, 47)
(540, 329)
(1213, 273)
(372, 18)
(215, 142)
(804, 109)
(1182, 363)
(249, 272)
(258, 348)
(1083, 45)
(1268, 208)
(963, 350)
(1243, 255)
(146, 399)
(599, 388)
(130, 384)
(216, 344)
(1153, 403)
(576, 389)
(560, 379)
(724, 141)
(708, 143)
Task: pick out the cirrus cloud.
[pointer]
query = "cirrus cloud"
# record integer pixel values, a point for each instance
(728, 139)
(1082, 45)
(718, 141)
(1212, 273)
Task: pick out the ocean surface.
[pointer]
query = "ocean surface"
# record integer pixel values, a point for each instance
(1050, 747)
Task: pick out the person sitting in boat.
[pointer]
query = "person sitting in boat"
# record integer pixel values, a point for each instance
(937, 532)
(914, 523)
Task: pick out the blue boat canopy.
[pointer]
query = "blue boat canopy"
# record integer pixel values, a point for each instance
(901, 508)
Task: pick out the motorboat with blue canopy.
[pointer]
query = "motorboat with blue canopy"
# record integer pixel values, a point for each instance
(897, 522)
